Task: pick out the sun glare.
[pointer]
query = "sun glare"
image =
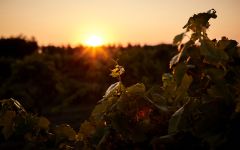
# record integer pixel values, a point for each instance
(94, 47)
(94, 41)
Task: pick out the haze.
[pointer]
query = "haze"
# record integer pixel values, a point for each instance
(63, 22)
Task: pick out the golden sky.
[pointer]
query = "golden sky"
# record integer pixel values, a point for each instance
(63, 22)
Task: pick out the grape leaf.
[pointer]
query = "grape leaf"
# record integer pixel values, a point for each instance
(182, 54)
(199, 21)
(102, 108)
(18, 105)
(181, 120)
(113, 90)
(65, 131)
(228, 46)
(178, 72)
(175, 120)
(183, 88)
(212, 54)
(174, 60)
(178, 39)
(167, 79)
(136, 89)
(87, 129)
(117, 71)
(43, 123)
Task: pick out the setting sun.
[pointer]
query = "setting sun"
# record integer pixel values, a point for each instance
(94, 41)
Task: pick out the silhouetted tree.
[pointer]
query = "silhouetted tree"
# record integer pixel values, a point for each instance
(17, 47)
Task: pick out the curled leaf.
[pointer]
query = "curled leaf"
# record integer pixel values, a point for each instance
(199, 22)
(174, 60)
(178, 39)
(167, 79)
(117, 71)
(114, 90)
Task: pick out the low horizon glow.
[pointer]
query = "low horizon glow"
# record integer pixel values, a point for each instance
(94, 41)
(63, 22)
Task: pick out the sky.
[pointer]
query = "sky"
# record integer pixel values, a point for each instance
(62, 22)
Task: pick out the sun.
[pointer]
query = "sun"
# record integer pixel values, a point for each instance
(94, 41)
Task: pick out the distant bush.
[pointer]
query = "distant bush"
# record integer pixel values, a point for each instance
(17, 47)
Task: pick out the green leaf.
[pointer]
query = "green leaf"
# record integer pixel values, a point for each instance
(182, 119)
(65, 131)
(114, 90)
(87, 129)
(102, 108)
(175, 121)
(179, 72)
(18, 105)
(136, 89)
(160, 107)
(195, 36)
(167, 79)
(12, 104)
(43, 123)
(228, 46)
(178, 39)
(174, 60)
(183, 88)
(117, 71)
(212, 54)
(198, 22)
(182, 55)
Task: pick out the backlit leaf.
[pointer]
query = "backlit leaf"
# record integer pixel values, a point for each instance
(178, 72)
(102, 108)
(117, 71)
(167, 79)
(137, 89)
(114, 90)
(174, 60)
(199, 21)
(212, 54)
(182, 54)
(183, 88)
(178, 39)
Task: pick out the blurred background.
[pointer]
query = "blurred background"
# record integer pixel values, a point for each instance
(56, 56)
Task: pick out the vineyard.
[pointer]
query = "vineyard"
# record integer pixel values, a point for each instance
(194, 105)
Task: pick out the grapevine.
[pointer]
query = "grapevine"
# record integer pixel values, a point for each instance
(196, 107)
